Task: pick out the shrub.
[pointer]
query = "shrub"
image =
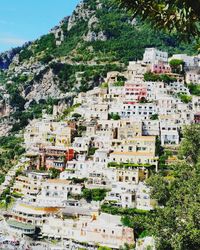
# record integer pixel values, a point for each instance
(94, 194)
(185, 98)
(194, 89)
(113, 116)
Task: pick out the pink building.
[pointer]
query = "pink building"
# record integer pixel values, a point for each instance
(160, 68)
(135, 91)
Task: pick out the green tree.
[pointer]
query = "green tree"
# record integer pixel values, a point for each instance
(190, 145)
(154, 117)
(194, 89)
(160, 190)
(114, 116)
(177, 65)
(176, 225)
(94, 194)
(54, 173)
(172, 15)
(92, 151)
(149, 76)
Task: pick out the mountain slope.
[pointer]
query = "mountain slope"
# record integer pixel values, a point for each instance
(76, 55)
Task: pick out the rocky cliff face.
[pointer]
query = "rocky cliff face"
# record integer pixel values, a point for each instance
(4, 109)
(43, 86)
(6, 58)
(81, 12)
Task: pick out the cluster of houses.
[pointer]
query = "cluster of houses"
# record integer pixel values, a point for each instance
(107, 142)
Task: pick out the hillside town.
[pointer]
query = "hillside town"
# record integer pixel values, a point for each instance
(97, 155)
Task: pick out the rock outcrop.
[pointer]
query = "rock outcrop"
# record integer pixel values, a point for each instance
(42, 87)
(6, 58)
(81, 12)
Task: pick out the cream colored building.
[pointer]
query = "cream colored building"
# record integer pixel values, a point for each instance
(29, 185)
(129, 129)
(105, 230)
(47, 133)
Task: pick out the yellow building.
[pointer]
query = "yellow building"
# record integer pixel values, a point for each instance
(139, 150)
(128, 130)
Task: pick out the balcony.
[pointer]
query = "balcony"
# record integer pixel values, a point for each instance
(23, 227)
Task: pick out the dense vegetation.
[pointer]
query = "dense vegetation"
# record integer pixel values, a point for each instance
(35, 111)
(177, 66)
(10, 150)
(90, 76)
(45, 45)
(127, 42)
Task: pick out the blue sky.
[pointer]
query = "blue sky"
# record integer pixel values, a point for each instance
(26, 20)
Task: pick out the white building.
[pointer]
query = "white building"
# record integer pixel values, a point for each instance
(81, 144)
(188, 60)
(122, 194)
(196, 103)
(143, 199)
(155, 90)
(77, 168)
(55, 192)
(127, 195)
(166, 104)
(151, 127)
(138, 110)
(47, 132)
(153, 56)
(169, 133)
(193, 76)
(177, 88)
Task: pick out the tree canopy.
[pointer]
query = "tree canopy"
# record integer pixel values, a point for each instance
(176, 222)
(181, 16)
